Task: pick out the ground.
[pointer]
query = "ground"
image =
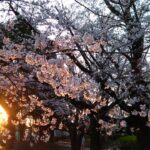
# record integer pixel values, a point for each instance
(61, 145)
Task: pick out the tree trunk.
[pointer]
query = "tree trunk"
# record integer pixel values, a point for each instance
(52, 136)
(76, 137)
(95, 141)
(143, 139)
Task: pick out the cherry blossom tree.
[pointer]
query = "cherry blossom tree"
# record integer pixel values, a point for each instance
(103, 60)
(121, 57)
(30, 99)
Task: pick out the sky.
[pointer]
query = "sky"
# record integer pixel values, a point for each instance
(67, 2)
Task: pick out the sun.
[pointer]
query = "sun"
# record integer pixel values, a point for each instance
(3, 116)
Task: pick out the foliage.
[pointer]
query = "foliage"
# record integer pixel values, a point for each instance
(92, 77)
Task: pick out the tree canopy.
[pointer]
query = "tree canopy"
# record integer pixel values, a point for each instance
(86, 72)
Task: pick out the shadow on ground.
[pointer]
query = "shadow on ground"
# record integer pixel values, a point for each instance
(61, 145)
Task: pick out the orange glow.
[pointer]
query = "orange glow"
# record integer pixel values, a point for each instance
(3, 116)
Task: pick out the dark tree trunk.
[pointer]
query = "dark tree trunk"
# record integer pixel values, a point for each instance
(11, 142)
(143, 139)
(95, 140)
(76, 137)
(52, 136)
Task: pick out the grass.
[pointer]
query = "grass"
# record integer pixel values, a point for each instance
(128, 138)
